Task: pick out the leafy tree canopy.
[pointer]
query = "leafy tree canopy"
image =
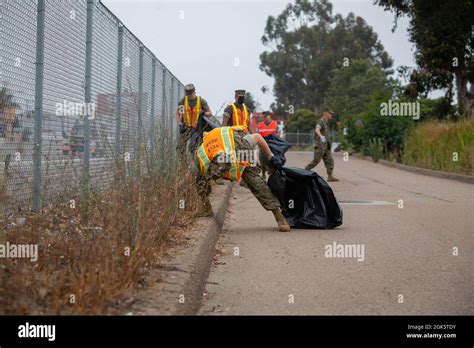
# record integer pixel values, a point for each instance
(306, 43)
(250, 101)
(302, 121)
(443, 33)
(351, 87)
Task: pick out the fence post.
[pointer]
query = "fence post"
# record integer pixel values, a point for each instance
(163, 98)
(40, 18)
(118, 100)
(164, 126)
(297, 138)
(140, 94)
(152, 106)
(88, 91)
(178, 86)
(171, 106)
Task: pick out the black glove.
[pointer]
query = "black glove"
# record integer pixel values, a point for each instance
(182, 128)
(275, 163)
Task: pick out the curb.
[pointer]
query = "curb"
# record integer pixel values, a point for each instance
(423, 171)
(196, 284)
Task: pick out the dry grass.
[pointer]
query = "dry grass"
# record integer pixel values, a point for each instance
(432, 145)
(88, 261)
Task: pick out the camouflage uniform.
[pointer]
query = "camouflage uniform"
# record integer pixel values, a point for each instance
(264, 164)
(322, 150)
(251, 176)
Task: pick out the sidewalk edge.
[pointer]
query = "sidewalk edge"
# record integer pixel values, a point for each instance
(196, 284)
(423, 171)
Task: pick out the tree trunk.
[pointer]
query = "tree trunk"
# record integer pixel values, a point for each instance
(470, 101)
(461, 89)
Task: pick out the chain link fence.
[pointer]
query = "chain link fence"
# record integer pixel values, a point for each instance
(299, 139)
(96, 94)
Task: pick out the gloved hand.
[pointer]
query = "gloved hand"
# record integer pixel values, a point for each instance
(182, 129)
(275, 163)
(323, 139)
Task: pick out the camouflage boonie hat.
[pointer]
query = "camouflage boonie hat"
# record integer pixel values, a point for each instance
(218, 169)
(189, 88)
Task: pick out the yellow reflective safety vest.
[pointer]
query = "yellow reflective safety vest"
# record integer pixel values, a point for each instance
(240, 117)
(191, 115)
(220, 141)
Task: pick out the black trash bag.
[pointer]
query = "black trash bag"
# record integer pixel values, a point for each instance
(204, 124)
(278, 146)
(307, 200)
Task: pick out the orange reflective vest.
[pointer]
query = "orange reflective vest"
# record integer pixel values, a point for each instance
(220, 142)
(191, 115)
(265, 130)
(240, 117)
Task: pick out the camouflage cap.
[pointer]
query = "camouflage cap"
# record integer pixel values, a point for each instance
(240, 92)
(189, 88)
(217, 168)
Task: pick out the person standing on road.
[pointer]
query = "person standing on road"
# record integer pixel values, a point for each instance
(237, 113)
(187, 116)
(266, 128)
(322, 147)
(225, 153)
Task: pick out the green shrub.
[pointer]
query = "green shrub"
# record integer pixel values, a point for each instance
(376, 149)
(371, 125)
(303, 120)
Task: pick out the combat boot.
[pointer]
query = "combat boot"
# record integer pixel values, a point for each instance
(205, 209)
(332, 178)
(281, 221)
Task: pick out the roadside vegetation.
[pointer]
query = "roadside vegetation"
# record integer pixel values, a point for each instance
(97, 245)
(445, 146)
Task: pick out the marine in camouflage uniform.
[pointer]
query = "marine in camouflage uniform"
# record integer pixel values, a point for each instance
(322, 147)
(186, 130)
(243, 117)
(250, 175)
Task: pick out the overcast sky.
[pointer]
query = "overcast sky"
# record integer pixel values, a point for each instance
(216, 44)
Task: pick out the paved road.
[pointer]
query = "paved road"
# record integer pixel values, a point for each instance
(408, 265)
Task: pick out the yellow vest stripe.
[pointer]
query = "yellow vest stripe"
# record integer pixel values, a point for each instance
(235, 115)
(203, 159)
(229, 149)
(188, 112)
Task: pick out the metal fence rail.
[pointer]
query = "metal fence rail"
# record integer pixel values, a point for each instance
(99, 93)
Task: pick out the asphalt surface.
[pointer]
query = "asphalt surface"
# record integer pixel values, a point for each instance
(417, 259)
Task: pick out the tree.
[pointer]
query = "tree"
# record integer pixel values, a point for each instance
(371, 125)
(250, 101)
(302, 121)
(351, 88)
(306, 43)
(443, 33)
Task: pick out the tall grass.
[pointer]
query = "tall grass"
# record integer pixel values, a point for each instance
(91, 252)
(444, 146)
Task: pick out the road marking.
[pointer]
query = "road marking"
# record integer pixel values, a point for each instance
(359, 202)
